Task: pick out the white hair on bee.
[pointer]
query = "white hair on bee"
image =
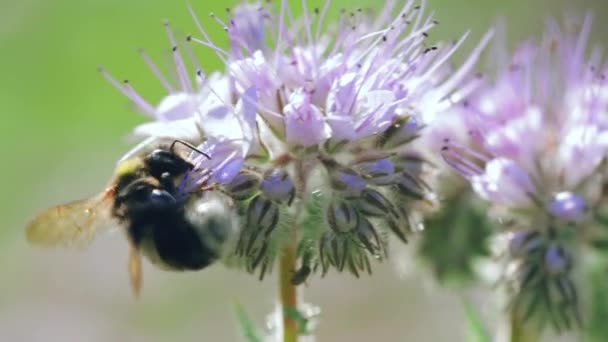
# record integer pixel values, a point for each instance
(215, 220)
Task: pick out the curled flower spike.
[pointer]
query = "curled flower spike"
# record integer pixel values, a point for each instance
(309, 131)
(536, 153)
(538, 280)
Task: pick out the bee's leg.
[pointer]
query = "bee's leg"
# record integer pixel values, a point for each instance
(135, 271)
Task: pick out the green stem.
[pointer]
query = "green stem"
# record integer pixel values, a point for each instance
(289, 297)
(520, 332)
(288, 262)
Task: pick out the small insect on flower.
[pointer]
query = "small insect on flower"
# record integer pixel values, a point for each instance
(162, 202)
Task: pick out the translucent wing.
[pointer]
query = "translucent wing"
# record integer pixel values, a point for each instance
(74, 224)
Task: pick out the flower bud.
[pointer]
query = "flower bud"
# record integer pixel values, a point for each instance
(556, 260)
(373, 203)
(399, 226)
(323, 253)
(411, 186)
(277, 186)
(248, 28)
(358, 261)
(304, 122)
(338, 252)
(562, 295)
(347, 182)
(525, 275)
(263, 215)
(403, 131)
(256, 253)
(243, 186)
(522, 243)
(568, 206)
(377, 172)
(504, 182)
(409, 162)
(368, 237)
(567, 290)
(342, 216)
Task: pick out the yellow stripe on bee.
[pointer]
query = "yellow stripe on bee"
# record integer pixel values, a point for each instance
(128, 166)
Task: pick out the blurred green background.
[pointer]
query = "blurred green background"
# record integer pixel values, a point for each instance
(62, 129)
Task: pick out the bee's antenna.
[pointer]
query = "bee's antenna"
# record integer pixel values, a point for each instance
(190, 146)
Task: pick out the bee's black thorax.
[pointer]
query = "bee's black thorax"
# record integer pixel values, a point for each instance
(148, 202)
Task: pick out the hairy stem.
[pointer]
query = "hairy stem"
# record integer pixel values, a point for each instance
(520, 332)
(288, 259)
(289, 298)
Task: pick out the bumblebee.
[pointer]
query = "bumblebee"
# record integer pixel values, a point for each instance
(171, 219)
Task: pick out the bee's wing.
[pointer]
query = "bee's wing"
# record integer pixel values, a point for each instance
(74, 224)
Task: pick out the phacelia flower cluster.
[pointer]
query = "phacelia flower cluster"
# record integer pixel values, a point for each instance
(538, 145)
(308, 128)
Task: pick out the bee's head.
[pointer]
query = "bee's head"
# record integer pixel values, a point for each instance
(168, 160)
(162, 161)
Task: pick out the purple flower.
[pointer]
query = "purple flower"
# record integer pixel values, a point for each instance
(539, 128)
(175, 114)
(346, 85)
(304, 123)
(536, 149)
(504, 182)
(568, 206)
(331, 112)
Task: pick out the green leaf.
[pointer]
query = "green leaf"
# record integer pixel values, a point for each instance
(476, 332)
(596, 283)
(601, 217)
(246, 325)
(454, 239)
(600, 244)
